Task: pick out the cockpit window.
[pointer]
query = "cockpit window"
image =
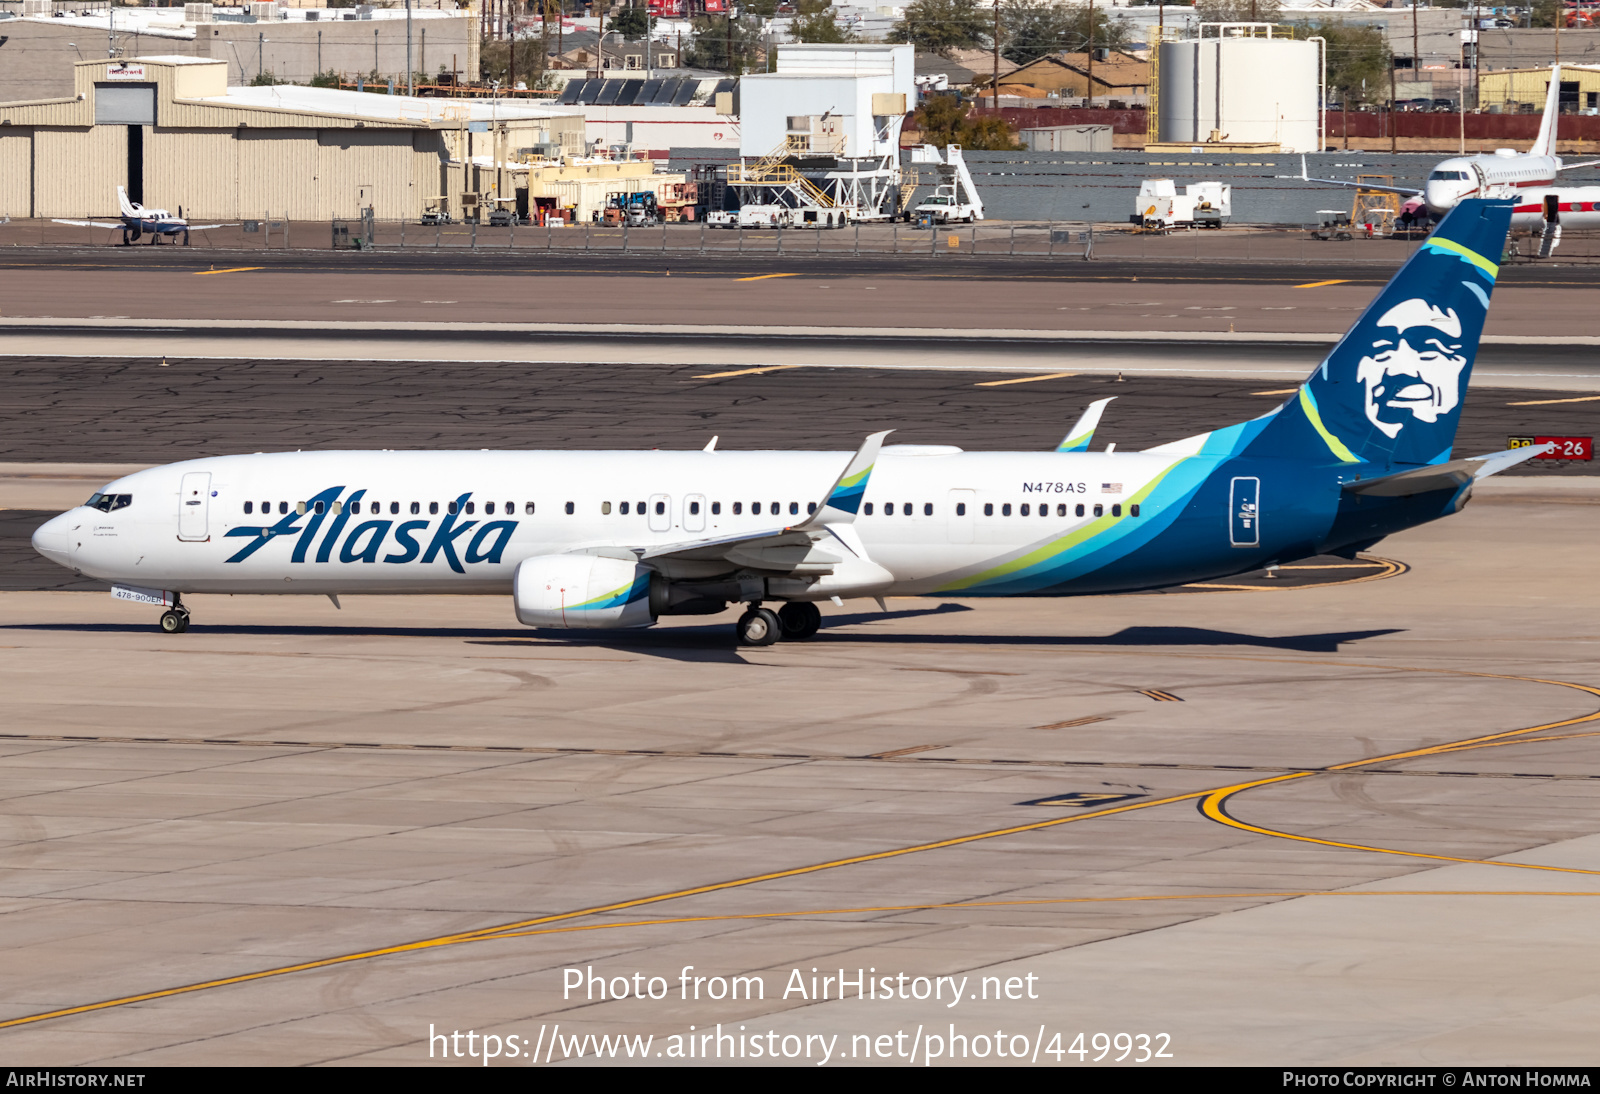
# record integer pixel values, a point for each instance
(1448, 176)
(108, 503)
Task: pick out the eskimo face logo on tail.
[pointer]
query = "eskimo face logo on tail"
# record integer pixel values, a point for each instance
(1416, 375)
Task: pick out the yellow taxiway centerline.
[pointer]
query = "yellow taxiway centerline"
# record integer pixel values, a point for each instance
(1212, 805)
(1026, 379)
(1320, 284)
(765, 277)
(236, 269)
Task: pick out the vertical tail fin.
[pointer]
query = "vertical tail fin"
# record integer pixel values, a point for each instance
(1390, 391)
(127, 206)
(1545, 143)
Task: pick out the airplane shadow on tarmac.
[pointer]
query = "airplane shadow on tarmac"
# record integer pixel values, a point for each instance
(714, 641)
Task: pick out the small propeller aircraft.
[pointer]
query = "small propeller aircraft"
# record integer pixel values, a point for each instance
(137, 220)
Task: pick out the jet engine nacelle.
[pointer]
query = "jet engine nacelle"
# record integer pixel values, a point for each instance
(582, 591)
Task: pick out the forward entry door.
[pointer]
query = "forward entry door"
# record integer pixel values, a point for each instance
(660, 513)
(194, 506)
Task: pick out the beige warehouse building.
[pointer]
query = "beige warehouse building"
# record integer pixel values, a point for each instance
(173, 132)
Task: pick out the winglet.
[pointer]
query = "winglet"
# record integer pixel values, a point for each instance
(1082, 431)
(1545, 145)
(843, 502)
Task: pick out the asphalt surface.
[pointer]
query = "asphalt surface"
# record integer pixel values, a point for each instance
(1373, 267)
(109, 410)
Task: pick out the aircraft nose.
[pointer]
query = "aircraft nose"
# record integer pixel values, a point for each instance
(52, 539)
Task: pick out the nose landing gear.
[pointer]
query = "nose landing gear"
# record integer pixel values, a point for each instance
(175, 620)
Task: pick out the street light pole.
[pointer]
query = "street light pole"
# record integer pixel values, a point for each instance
(411, 78)
(994, 87)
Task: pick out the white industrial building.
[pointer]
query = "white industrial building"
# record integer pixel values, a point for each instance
(838, 100)
(1238, 84)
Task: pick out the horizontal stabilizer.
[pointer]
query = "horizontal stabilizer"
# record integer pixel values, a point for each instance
(1082, 431)
(1445, 476)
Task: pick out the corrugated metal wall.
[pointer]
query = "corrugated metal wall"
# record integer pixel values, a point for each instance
(16, 173)
(76, 172)
(192, 168)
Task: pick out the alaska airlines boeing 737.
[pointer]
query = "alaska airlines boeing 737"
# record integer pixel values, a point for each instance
(619, 539)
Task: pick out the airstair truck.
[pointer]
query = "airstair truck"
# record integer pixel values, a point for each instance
(955, 199)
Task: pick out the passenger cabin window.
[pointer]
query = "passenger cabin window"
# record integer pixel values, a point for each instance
(1116, 510)
(624, 508)
(416, 507)
(1099, 510)
(394, 508)
(529, 509)
(1133, 510)
(694, 508)
(471, 505)
(1024, 511)
(661, 507)
(338, 507)
(248, 506)
(511, 507)
(794, 508)
(988, 508)
(738, 507)
(433, 508)
(716, 508)
(450, 507)
(605, 508)
(927, 509)
(488, 507)
(811, 507)
(868, 508)
(961, 508)
(571, 508)
(283, 508)
(1005, 510)
(1079, 509)
(377, 507)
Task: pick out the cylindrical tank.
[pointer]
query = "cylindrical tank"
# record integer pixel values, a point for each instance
(1243, 89)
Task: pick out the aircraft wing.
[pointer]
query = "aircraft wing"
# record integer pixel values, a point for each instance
(1403, 191)
(793, 549)
(204, 227)
(1445, 476)
(89, 223)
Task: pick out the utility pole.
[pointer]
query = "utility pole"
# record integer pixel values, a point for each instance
(1416, 55)
(319, 52)
(1090, 88)
(261, 52)
(374, 51)
(1394, 139)
(411, 78)
(994, 87)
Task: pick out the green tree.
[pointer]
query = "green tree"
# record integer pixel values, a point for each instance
(943, 25)
(815, 23)
(632, 22)
(329, 78)
(264, 79)
(1544, 13)
(1355, 54)
(945, 119)
(710, 49)
(1030, 29)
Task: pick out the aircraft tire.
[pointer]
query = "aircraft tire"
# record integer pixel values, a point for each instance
(800, 620)
(174, 622)
(759, 627)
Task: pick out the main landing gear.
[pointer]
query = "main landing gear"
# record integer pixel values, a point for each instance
(175, 620)
(762, 626)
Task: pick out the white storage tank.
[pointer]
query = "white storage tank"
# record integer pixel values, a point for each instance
(1229, 87)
